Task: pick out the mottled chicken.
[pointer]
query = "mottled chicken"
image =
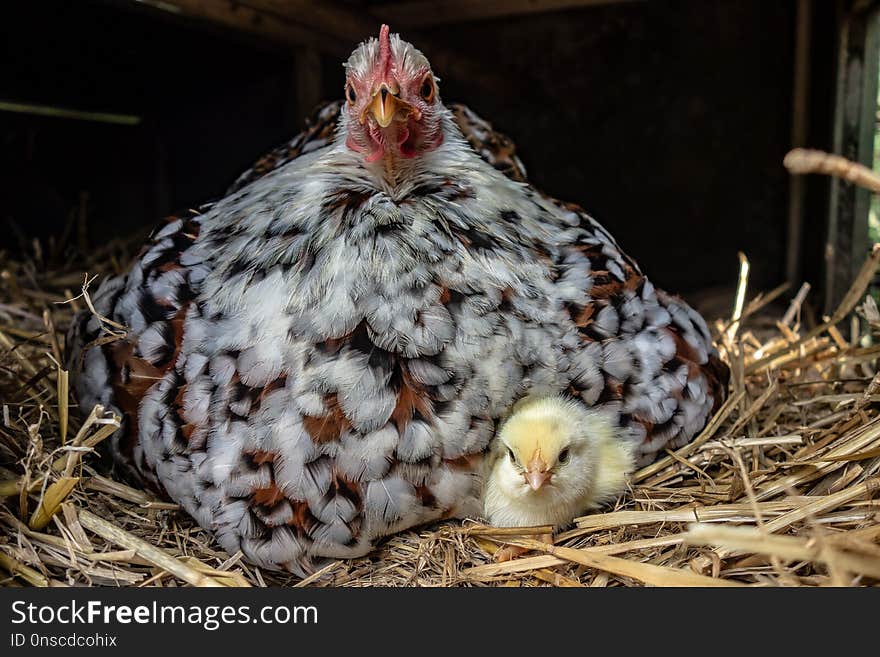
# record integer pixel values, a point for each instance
(321, 357)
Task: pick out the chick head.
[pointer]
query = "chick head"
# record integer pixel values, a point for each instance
(551, 460)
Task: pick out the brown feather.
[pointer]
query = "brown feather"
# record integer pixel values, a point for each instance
(329, 427)
(411, 398)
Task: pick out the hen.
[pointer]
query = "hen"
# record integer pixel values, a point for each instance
(321, 358)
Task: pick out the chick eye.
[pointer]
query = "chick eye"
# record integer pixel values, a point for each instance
(511, 455)
(427, 90)
(563, 456)
(350, 94)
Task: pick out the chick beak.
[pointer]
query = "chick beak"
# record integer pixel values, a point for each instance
(536, 474)
(385, 106)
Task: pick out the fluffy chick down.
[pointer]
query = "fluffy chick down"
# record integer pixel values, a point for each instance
(552, 460)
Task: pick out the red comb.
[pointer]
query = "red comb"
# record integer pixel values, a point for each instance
(385, 47)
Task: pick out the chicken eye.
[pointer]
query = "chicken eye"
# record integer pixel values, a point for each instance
(427, 90)
(350, 94)
(563, 456)
(511, 455)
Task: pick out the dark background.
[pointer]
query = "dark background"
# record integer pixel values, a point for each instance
(667, 120)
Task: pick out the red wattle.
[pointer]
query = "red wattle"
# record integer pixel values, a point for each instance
(376, 154)
(353, 145)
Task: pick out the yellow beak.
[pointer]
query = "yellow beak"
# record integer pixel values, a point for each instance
(536, 473)
(385, 106)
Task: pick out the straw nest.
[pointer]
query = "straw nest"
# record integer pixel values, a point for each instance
(778, 490)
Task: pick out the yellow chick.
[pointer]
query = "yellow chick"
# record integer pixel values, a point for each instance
(553, 459)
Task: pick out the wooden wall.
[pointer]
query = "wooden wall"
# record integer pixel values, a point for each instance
(668, 120)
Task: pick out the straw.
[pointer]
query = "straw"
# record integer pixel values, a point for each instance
(780, 488)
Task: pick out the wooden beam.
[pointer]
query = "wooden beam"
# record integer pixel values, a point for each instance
(353, 26)
(327, 28)
(415, 14)
(68, 113)
(340, 22)
(240, 17)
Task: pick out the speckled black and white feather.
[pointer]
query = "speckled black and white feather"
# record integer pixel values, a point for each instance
(320, 359)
